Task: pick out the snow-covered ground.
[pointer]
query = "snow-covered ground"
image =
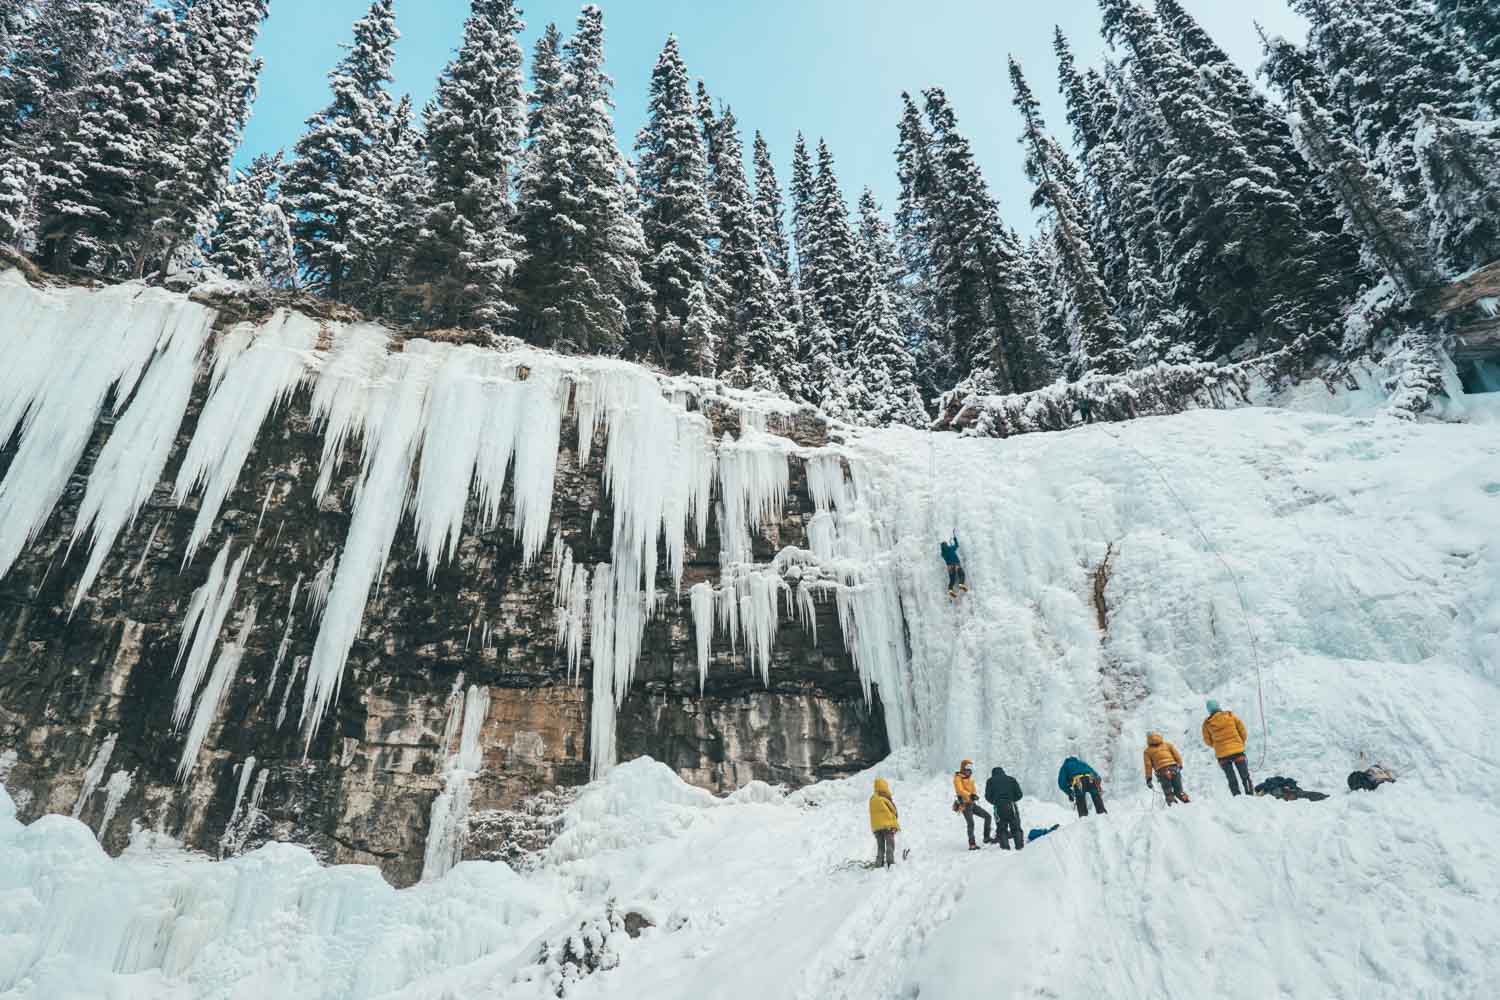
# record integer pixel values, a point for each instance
(1341, 571)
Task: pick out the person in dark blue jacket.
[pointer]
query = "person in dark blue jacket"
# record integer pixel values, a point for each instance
(1080, 782)
(956, 578)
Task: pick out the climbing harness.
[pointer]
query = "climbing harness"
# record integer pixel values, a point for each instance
(1265, 738)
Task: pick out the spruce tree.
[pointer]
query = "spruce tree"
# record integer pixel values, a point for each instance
(1257, 266)
(770, 215)
(752, 290)
(804, 228)
(585, 246)
(1478, 21)
(466, 253)
(1384, 62)
(675, 217)
(1099, 338)
(830, 271)
(1460, 163)
(398, 191)
(884, 371)
(1387, 233)
(237, 246)
(57, 50)
(326, 189)
(980, 282)
(919, 248)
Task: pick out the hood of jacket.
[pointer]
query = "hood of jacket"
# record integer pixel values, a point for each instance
(882, 787)
(998, 772)
(1153, 740)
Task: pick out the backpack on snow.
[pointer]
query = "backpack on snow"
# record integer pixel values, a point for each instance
(1369, 779)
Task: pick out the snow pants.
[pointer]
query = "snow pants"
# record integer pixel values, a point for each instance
(971, 810)
(1233, 763)
(885, 848)
(1171, 784)
(1008, 825)
(956, 575)
(1087, 788)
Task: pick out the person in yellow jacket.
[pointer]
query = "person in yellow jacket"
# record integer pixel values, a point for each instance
(1163, 761)
(884, 823)
(967, 801)
(1226, 734)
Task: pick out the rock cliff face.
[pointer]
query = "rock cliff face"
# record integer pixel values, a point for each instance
(102, 705)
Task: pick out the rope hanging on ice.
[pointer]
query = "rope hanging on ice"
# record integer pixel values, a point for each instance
(1234, 578)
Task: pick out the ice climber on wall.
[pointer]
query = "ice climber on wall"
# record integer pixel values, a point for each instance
(884, 823)
(967, 801)
(1226, 734)
(956, 577)
(1079, 783)
(1163, 761)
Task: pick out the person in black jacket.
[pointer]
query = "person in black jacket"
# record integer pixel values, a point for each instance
(1004, 793)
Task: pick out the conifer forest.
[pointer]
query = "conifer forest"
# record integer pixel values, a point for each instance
(1187, 213)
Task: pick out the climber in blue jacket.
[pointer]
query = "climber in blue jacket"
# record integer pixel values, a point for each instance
(1079, 782)
(956, 579)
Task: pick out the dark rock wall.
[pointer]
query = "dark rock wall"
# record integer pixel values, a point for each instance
(362, 789)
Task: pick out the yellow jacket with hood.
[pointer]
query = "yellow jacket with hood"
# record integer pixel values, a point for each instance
(1159, 754)
(883, 814)
(1225, 733)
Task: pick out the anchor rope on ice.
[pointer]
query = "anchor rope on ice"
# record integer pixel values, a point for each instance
(1265, 738)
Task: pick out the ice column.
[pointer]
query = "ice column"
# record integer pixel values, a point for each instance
(450, 810)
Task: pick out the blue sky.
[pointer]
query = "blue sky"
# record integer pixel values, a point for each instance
(834, 68)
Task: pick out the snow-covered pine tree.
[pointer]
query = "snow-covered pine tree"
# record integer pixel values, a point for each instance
(830, 271)
(466, 255)
(208, 108)
(543, 187)
(919, 246)
(584, 242)
(770, 214)
(752, 312)
(980, 282)
(1098, 341)
(326, 188)
(1244, 247)
(235, 248)
(398, 191)
(675, 217)
(57, 51)
(98, 177)
(1387, 233)
(1384, 60)
(1460, 162)
(804, 230)
(883, 371)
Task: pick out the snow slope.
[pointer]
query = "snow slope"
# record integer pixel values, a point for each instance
(1341, 570)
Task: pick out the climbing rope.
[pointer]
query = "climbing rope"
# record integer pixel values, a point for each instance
(1265, 733)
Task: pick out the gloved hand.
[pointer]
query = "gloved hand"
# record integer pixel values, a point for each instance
(1148, 782)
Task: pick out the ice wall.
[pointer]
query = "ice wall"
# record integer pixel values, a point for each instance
(432, 426)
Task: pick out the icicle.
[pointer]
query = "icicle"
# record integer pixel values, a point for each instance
(207, 610)
(95, 772)
(65, 352)
(135, 456)
(317, 592)
(807, 610)
(286, 635)
(379, 501)
(701, 599)
(299, 664)
(264, 505)
(115, 790)
(349, 381)
(753, 481)
(140, 566)
(247, 769)
(249, 385)
(215, 691)
(450, 810)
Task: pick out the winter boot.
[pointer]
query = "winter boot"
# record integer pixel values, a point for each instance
(973, 846)
(964, 587)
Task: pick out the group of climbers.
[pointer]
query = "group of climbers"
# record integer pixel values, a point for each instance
(1223, 732)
